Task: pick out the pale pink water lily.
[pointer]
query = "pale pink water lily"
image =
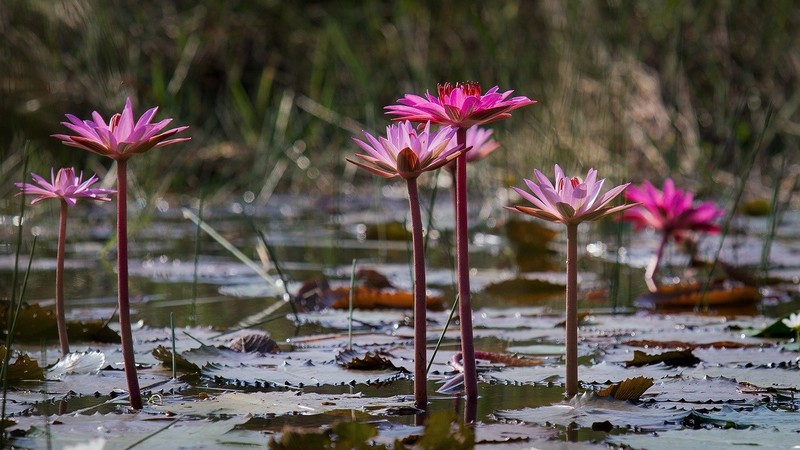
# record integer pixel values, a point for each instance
(121, 137)
(479, 144)
(462, 105)
(407, 152)
(64, 185)
(671, 211)
(68, 188)
(570, 199)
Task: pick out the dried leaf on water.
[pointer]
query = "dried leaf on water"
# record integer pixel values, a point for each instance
(690, 295)
(23, 369)
(673, 358)
(508, 359)
(370, 360)
(627, 389)
(182, 364)
(254, 343)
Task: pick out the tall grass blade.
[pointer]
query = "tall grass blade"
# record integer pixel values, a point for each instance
(350, 305)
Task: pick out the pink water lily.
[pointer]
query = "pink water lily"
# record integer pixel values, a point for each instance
(479, 144)
(121, 137)
(407, 152)
(671, 210)
(67, 187)
(462, 105)
(569, 200)
(64, 185)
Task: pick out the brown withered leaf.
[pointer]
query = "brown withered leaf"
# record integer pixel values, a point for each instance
(673, 358)
(627, 389)
(511, 360)
(254, 343)
(182, 364)
(371, 360)
(316, 295)
(692, 294)
(24, 368)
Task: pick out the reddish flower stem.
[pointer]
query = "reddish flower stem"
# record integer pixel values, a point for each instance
(420, 320)
(122, 286)
(652, 267)
(60, 319)
(572, 310)
(462, 269)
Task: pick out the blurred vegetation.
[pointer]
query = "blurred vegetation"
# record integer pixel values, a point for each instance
(274, 90)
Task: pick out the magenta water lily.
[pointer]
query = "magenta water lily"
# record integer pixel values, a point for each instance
(119, 139)
(570, 200)
(672, 212)
(67, 187)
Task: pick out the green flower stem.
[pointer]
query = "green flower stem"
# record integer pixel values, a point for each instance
(462, 268)
(122, 286)
(63, 340)
(420, 319)
(652, 267)
(572, 310)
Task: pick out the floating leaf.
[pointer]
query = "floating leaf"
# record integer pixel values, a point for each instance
(693, 294)
(692, 345)
(315, 295)
(628, 389)
(371, 360)
(510, 360)
(675, 358)
(23, 369)
(776, 329)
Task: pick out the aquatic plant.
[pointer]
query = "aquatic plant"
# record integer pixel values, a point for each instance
(120, 139)
(68, 188)
(570, 201)
(462, 106)
(671, 212)
(793, 323)
(406, 153)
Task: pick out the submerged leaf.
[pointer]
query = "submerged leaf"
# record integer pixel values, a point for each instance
(628, 389)
(674, 358)
(371, 360)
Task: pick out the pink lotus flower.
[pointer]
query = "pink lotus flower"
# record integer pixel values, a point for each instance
(120, 138)
(670, 210)
(406, 152)
(462, 105)
(569, 200)
(65, 186)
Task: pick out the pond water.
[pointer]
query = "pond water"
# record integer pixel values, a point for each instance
(179, 272)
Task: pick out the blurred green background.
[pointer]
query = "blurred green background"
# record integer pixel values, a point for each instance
(274, 90)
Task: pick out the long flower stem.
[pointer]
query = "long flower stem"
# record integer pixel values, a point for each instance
(420, 319)
(60, 319)
(122, 286)
(655, 261)
(462, 268)
(572, 310)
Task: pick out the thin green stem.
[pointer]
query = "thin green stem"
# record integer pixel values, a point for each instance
(193, 310)
(350, 305)
(441, 336)
(462, 269)
(122, 286)
(420, 313)
(572, 310)
(61, 321)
